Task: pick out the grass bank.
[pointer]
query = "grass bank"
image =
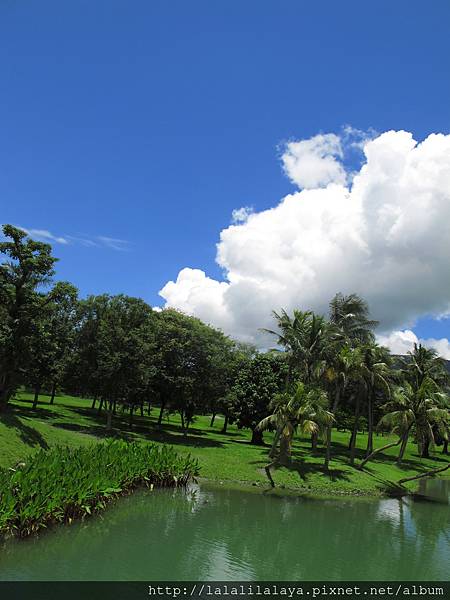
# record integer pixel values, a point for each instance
(226, 458)
(62, 484)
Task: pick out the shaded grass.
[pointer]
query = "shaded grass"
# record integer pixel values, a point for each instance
(222, 457)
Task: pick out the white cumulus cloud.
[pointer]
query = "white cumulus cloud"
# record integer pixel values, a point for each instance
(401, 342)
(315, 162)
(383, 233)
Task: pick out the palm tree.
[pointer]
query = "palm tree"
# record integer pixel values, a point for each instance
(304, 409)
(376, 375)
(351, 315)
(424, 365)
(342, 368)
(421, 409)
(307, 338)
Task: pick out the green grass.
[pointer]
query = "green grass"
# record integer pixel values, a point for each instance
(222, 457)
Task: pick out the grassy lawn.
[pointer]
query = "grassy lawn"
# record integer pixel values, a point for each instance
(222, 457)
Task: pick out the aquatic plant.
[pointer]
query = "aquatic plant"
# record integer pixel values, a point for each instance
(63, 483)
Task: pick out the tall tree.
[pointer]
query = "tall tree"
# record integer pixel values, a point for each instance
(257, 382)
(302, 407)
(419, 408)
(28, 268)
(352, 316)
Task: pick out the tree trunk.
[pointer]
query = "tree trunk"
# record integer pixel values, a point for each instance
(100, 406)
(276, 438)
(141, 406)
(225, 425)
(354, 432)
(328, 449)
(329, 429)
(285, 450)
(149, 408)
(3, 400)
(445, 447)
(184, 423)
(94, 400)
(6, 392)
(130, 422)
(161, 413)
(314, 439)
(375, 452)
(257, 437)
(427, 474)
(37, 391)
(425, 453)
(369, 448)
(108, 419)
(52, 397)
(213, 418)
(403, 447)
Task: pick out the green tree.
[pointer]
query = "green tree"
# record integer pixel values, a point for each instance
(351, 315)
(257, 382)
(419, 409)
(51, 339)
(303, 408)
(28, 268)
(424, 365)
(307, 339)
(193, 362)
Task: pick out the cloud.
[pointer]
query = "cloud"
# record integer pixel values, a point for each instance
(114, 243)
(98, 241)
(44, 235)
(315, 162)
(240, 215)
(384, 235)
(401, 342)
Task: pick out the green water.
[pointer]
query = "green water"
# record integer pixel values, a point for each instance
(218, 534)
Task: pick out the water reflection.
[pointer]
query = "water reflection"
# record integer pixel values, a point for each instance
(217, 534)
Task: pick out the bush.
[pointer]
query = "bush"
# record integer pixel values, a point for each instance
(62, 484)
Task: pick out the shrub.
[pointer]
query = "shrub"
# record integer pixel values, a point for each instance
(62, 484)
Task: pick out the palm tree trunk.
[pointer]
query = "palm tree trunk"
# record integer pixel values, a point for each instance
(425, 449)
(328, 447)
(354, 432)
(426, 474)
(276, 438)
(377, 451)
(285, 450)
(369, 448)
(403, 447)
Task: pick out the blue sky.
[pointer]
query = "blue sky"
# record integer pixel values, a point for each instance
(149, 122)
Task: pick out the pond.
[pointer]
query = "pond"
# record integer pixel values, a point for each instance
(214, 533)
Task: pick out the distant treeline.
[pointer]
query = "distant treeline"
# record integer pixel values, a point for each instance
(327, 371)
